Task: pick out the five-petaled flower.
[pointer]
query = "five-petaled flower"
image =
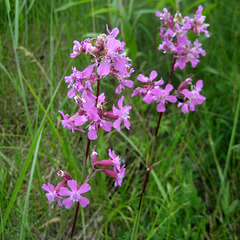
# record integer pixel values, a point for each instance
(75, 194)
(123, 115)
(51, 193)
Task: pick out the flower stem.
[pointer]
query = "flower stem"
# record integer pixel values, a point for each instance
(148, 170)
(159, 121)
(98, 86)
(171, 75)
(84, 167)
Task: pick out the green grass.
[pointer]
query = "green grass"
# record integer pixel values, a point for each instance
(192, 194)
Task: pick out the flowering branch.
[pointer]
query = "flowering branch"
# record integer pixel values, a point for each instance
(174, 33)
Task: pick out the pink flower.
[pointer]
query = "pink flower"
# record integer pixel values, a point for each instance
(71, 123)
(120, 176)
(174, 32)
(115, 159)
(78, 48)
(51, 193)
(123, 115)
(143, 91)
(161, 96)
(193, 97)
(75, 194)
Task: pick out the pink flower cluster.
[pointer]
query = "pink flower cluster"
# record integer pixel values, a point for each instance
(188, 98)
(96, 115)
(109, 60)
(174, 31)
(74, 194)
(114, 161)
(153, 93)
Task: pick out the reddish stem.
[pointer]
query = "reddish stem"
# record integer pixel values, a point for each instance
(148, 170)
(144, 187)
(98, 86)
(77, 209)
(84, 166)
(158, 125)
(170, 78)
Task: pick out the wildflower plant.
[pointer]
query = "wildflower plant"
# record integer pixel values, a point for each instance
(174, 33)
(93, 114)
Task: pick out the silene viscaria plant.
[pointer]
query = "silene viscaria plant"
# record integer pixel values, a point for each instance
(109, 59)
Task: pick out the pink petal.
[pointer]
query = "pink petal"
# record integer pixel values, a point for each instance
(128, 83)
(171, 98)
(192, 106)
(115, 32)
(80, 120)
(51, 187)
(83, 201)
(120, 102)
(127, 124)
(46, 188)
(67, 203)
(106, 126)
(182, 62)
(59, 202)
(149, 98)
(187, 93)
(161, 107)
(116, 112)
(71, 93)
(87, 71)
(168, 88)
(117, 123)
(142, 78)
(92, 133)
(119, 65)
(64, 192)
(185, 108)
(84, 188)
(73, 185)
(104, 67)
(153, 75)
(199, 85)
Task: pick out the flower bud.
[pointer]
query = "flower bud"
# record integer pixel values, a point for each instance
(94, 157)
(104, 163)
(184, 84)
(63, 174)
(110, 115)
(109, 172)
(61, 184)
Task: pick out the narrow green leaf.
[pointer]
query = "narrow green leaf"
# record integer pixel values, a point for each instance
(71, 4)
(103, 10)
(25, 210)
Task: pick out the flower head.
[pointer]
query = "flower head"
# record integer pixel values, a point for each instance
(74, 194)
(192, 98)
(123, 115)
(174, 31)
(120, 176)
(51, 193)
(115, 159)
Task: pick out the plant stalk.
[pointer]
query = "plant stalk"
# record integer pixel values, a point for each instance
(148, 170)
(84, 166)
(77, 208)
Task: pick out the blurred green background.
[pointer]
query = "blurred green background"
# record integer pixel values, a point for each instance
(192, 194)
